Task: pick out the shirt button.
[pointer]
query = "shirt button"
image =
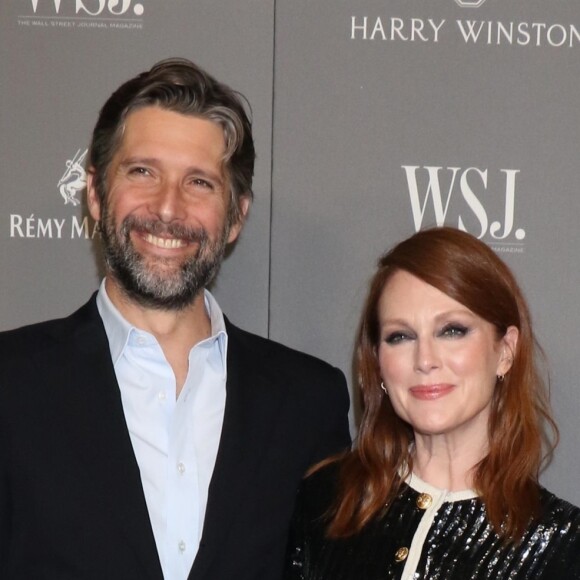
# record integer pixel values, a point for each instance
(401, 554)
(141, 340)
(424, 500)
(181, 467)
(181, 546)
(162, 396)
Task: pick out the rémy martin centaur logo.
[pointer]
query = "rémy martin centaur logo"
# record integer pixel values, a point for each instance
(74, 178)
(71, 187)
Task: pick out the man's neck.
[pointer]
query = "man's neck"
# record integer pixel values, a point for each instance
(177, 331)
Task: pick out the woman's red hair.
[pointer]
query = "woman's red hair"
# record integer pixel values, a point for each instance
(467, 270)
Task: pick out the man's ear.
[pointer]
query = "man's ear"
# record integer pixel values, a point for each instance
(93, 201)
(236, 227)
(509, 343)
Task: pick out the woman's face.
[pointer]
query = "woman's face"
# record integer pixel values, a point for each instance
(438, 360)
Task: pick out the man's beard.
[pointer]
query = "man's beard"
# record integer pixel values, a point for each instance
(163, 283)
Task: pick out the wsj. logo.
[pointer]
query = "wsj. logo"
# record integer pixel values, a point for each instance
(470, 3)
(466, 180)
(74, 178)
(95, 7)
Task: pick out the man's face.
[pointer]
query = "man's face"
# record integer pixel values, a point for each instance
(164, 221)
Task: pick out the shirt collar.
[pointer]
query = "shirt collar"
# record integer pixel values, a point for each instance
(119, 330)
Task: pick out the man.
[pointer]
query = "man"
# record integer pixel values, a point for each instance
(146, 437)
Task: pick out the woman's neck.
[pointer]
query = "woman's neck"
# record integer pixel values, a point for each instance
(446, 462)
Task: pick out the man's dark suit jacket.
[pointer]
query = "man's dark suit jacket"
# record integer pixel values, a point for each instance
(71, 501)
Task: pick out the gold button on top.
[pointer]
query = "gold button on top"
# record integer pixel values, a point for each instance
(401, 554)
(424, 501)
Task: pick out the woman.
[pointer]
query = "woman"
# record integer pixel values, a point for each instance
(443, 482)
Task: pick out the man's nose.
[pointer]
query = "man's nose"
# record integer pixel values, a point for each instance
(169, 202)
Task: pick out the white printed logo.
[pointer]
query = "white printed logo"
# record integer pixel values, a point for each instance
(470, 3)
(96, 7)
(74, 178)
(84, 14)
(467, 181)
(74, 225)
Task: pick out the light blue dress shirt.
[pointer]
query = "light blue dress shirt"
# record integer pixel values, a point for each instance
(175, 439)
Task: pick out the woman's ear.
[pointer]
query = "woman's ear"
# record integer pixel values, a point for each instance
(509, 343)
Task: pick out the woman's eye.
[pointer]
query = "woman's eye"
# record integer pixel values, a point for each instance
(394, 338)
(454, 330)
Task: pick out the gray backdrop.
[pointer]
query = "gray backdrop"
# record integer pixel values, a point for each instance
(372, 118)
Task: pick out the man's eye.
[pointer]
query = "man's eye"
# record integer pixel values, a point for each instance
(138, 171)
(198, 182)
(454, 330)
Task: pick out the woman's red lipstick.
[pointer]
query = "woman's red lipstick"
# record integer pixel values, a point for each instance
(430, 392)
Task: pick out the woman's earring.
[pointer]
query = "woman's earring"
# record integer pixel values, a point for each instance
(500, 378)
(384, 388)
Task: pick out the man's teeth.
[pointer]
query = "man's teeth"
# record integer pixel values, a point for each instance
(164, 242)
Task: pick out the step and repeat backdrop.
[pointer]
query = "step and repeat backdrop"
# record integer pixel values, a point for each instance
(59, 62)
(372, 119)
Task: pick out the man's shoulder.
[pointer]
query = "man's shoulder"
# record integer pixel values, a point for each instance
(308, 396)
(40, 358)
(254, 345)
(34, 336)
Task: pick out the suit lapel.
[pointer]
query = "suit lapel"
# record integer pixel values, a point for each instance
(102, 440)
(250, 414)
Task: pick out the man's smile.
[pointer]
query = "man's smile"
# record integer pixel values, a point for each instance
(166, 243)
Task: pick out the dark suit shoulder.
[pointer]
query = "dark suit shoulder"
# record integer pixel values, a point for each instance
(270, 349)
(315, 384)
(40, 356)
(309, 392)
(33, 336)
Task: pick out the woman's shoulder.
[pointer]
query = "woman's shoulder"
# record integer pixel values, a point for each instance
(557, 530)
(557, 511)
